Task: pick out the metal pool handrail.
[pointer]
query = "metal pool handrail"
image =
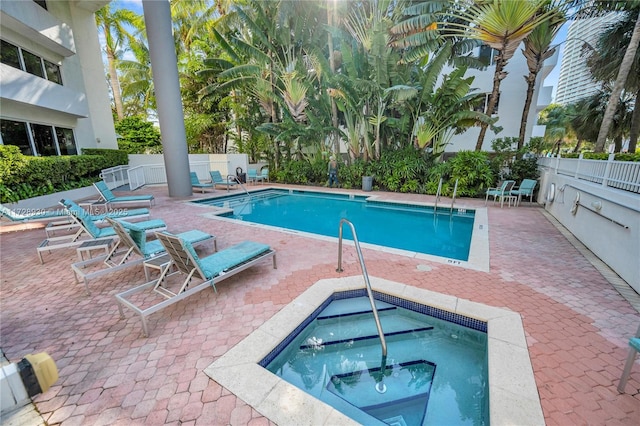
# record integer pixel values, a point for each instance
(235, 179)
(383, 342)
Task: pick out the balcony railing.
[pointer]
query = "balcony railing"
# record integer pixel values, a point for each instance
(624, 175)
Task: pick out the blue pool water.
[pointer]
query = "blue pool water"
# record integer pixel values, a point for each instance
(436, 370)
(403, 226)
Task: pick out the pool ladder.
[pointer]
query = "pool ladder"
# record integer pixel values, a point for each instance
(438, 193)
(380, 386)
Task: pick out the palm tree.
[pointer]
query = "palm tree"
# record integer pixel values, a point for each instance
(438, 112)
(137, 81)
(369, 26)
(190, 18)
(556, 119)
(265, 47)
(584, 120)
(112, 25)
(605, 61)
(537, 49)
(625, 67)
(502, 25)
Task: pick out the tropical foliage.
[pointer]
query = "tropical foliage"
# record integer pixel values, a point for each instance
(138, 136)
(281, 80)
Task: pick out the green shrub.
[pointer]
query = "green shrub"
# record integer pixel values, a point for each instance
(23, 176)
(403, 170)
(620, 156)
(138, 136)
(112, 156)
(472, 170)
(294, 172)
(526, 168)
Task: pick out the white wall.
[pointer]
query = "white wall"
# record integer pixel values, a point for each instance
(513, 91)
(199, 163)
(65, 34)
(98, 129)
(616, 246)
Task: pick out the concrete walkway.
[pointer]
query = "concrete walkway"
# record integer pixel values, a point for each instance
(576, 321)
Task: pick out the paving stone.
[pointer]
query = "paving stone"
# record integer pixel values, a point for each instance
(576, 321)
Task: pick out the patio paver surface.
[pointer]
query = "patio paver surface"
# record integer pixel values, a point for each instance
(577, 324)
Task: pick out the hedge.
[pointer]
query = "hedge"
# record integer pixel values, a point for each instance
(620, 156)
(23, 176)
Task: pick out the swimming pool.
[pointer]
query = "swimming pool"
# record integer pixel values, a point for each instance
(416, 228)
(436, 370)
(513, 393)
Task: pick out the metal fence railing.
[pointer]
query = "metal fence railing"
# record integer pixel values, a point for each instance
(624, 175)
(157, 174)
(115, 176)
(136, 177)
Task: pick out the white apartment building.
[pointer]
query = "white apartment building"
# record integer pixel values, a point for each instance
(575, 80)
(54, 98)
(513, 92)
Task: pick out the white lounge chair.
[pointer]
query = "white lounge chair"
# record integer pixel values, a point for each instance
(209, 271)
(132, 249)
(217, 180)
(196, 184)
(88, 232)
(109, 198)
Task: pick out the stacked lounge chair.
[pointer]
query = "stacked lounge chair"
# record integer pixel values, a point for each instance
(88, 231)
(132, 249)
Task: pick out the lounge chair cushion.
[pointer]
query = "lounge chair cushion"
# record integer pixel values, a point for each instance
(139, 234)
(216, 263)
(37, 214)
(109, 196)
(155, 246)
(120, 213)
(85, 218)
(148, 224)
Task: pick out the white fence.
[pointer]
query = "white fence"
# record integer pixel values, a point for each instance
(624, 175)
(115, 176)
(150, 169)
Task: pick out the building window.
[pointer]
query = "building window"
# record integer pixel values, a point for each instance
(487, 55)
(15, 133)
(42, 3)
(43, 139)
(33, 64)
(53, 72)
(38, 139)
(66, 141)
(482, 106)
(10, 55)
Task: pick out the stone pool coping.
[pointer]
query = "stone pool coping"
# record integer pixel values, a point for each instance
(513, 395)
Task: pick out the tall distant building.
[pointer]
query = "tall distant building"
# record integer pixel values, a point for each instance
(575, 80)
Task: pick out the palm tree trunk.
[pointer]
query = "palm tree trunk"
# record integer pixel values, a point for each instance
(498, 75)
(331, 10)
(274, 115)
(577, 147)
(634, 132)
(115, 85)
(531, 83)
(625, 67)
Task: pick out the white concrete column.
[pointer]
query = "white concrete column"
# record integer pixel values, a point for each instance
(157, 18)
